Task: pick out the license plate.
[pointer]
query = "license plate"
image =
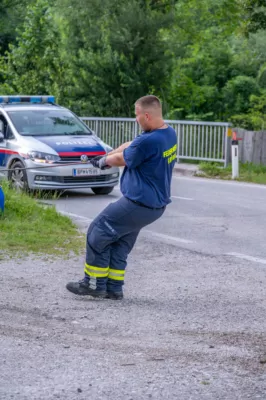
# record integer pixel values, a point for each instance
(86, 172)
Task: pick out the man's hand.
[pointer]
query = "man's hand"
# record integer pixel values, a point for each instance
(100, 162)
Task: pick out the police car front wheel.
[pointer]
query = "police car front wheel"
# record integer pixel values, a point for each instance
(103, 190)
(17, 176)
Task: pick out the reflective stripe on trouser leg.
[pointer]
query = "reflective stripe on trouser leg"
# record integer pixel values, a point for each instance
(116, 274)
(97, 276)
(115, 280)
(96, 272)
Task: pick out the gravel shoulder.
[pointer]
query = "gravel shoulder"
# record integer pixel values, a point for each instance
(191, 326)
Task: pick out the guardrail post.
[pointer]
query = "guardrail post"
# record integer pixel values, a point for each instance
(136, 128)
(228, 135)
(178, 141)
(235, 157)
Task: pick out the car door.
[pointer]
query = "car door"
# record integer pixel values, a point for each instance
(5, 144)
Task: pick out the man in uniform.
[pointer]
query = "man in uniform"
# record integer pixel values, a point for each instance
(145, 184)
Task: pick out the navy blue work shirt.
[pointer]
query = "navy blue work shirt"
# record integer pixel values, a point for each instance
(149, 164)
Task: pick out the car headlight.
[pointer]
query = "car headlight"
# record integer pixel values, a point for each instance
(40, 157)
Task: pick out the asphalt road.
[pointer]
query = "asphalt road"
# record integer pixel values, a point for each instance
(208, 216)
(192, 324)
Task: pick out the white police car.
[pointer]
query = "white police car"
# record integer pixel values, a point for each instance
(46, 146)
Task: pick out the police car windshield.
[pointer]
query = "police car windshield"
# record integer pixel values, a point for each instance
(47, 123)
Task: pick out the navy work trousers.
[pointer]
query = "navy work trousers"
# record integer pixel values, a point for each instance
(110, 238)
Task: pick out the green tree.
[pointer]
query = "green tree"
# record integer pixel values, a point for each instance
(255, 14)
(117, 53)
(12, 14)
(206, 59)
(236, 94)
(33, 64)
(203, 54)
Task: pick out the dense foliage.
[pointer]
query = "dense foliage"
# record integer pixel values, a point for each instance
(205, 59)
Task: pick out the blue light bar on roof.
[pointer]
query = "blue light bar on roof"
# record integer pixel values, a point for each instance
(27, 99)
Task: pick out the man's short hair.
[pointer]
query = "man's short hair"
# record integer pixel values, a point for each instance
(149, 102)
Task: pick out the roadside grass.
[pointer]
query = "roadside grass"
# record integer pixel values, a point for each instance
(248, 172)
(27, 226)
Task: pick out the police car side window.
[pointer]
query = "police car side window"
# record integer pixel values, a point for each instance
(9, 133)
(2, 126)
(5, 128)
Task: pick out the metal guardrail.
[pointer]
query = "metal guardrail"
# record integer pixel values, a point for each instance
(203, 141)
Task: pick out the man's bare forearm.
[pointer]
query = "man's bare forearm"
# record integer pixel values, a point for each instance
(115, 160)
(120, 149)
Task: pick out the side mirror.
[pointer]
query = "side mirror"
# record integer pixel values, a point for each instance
(2, 138)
